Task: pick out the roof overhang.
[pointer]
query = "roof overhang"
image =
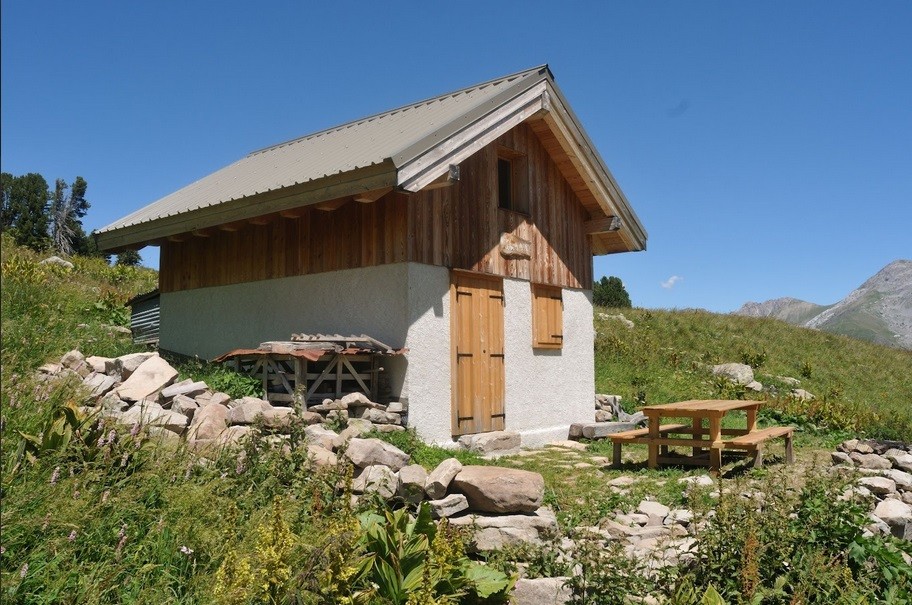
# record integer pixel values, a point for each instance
(353, 183)
(543, 105)
(613, 224)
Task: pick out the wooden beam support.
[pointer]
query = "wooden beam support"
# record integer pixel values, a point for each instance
(177, 238)
(235, 226)
(293, 213)
(262, 220)
(446, 180)
(369, 197)
(604, 224)
(332, 204)
(202, 233)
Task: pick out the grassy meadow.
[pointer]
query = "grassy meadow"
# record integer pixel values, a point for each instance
(115, 516)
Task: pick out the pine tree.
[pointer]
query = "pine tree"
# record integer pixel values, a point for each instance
(610, 292)
(24, 212)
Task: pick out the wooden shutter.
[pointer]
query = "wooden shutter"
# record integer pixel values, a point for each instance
(547, 317)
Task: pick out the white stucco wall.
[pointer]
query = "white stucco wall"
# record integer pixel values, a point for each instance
(427, 379)
(547, 389)
(210, 321)
(403, 305)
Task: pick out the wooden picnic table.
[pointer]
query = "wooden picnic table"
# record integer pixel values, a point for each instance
(700, 438)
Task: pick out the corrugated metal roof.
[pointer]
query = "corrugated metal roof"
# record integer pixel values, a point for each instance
(397, 134)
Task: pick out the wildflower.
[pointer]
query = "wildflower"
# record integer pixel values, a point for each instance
(72, 536)
(101, 442)
(55, 476)
(186, 551)
(122, 538)
(135, 430)
(2, 550)
(105, 496)
(76, 494)
(112, 435)
(124, 459)
(23, 571)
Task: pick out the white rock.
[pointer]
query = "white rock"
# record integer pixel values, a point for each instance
(901, 461)
(321, 456)
(699, 480)
(412, 478)
(736, 372)
(98, 364)
(542, 591)
(356, 427)
(397, 407)
(233, 435)
(247, 410)
(494, 532)
(125, 365)
(448, 506)
(495, 441)
(754, 386)
(99, 384)
(184, 405)
(356, 400)
(370, 452)
(56, 260)
(185, 387)
(441, 477)
(878, 485)
(147, 380)
(802, 395)
(500, 490)
(208, 422)
(902, 479)
(896, 514)
(653, 509)
(151, 414)
(377, 478)
(317, 434)
(870, 461)
(681, 516)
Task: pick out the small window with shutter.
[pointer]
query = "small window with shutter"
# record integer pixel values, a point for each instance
(547, 317)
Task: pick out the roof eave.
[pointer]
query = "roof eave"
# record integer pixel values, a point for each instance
(353, 182)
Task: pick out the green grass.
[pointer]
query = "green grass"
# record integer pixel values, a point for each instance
(860, 387)
(132, 521)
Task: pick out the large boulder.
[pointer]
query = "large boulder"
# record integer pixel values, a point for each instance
(738, 373)
(208, 422)
(500, 490)
(321, 456)
(150, 377)
(99, 384)
(370, 452)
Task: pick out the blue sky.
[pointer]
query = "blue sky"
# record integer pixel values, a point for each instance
(766, 146)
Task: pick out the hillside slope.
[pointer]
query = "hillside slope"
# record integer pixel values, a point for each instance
(665, 357)
(879, 311)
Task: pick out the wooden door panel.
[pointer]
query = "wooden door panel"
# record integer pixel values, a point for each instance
(478, 361)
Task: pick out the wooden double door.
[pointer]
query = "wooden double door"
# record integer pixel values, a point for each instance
(477, 336)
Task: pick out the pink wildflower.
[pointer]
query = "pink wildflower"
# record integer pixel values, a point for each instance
(55, 476)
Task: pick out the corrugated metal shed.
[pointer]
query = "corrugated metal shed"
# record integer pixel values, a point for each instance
(358, 144)
(144, 317)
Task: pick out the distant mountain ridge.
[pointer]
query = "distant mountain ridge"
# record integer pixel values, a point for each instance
(880, 310)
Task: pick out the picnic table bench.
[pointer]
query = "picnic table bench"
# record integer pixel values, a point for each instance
(660, 437)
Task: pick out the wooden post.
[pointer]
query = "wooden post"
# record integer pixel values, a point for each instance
(715, 447)
(653, 436)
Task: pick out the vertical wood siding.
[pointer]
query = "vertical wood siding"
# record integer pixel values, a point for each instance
(458, 227)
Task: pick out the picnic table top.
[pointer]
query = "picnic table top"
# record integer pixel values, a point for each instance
(705, 407)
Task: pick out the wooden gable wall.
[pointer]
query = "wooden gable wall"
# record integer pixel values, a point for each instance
(458, 226)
